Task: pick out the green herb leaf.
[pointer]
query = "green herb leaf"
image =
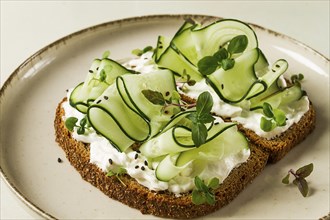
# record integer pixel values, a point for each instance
(111, 173)
(198, 183)
(300, 180)
(238, 44)
(147, 48)
(302, 185)
(295, 79)
(221, 54)
(305, 171)
(203, 193)
(267, 124)
(279, 117)
(106, 54)
(154, 97)
(210, 198)
(191, 82)
(267, 110)
(70, 123)
(137, 52)
(204, 103)
(199, 134)
(207, 65)
(200, 118)
(214, 183)
(227, 63)
(80, 130)
(205, 118)
(198, 197)
(83, 122)
(285, 180)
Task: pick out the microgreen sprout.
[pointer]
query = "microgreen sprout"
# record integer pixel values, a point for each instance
(223, 57)
(157, 98)
(185, 79)
(204, 193)
(106, 54)
(201, 117)
(300, 176)
(139, 52)
(117, 172)
(71, 123)
(297, 78)
(198, 118)
(274, 117)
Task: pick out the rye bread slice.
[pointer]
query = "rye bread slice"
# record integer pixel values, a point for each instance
(163, 203)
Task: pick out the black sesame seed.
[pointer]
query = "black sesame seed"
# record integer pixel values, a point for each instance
(273, 70)
(167, 93)
(278, 66)
(110, 161)
(67, 90)
(143, 168)
(216, 123)
(138, 151)
(160, 47)
(166, 112)
(59, 160)
(106, 97)
(146, 163)
(136, 156)
(91, 71)
(137, 167)
(97, 68)
(222, 86)
(98, 101)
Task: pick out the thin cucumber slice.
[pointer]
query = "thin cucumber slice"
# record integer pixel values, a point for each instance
(228, 142)
(116, 121)
(166, 169)
(101, 74)
(174, 60)
(280, 98)
(162, 44)
(261, 66)
(130, 88)
(80, 104)
(208, 39)
(183, 42)
(112, 70)
(123, 109)
(271, 77)
(234, 85)
(163, 144)
(178, 139)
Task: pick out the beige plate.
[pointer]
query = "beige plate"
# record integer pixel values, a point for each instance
(29, 153)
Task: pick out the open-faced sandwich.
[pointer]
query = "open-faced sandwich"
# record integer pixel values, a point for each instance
(179, 131)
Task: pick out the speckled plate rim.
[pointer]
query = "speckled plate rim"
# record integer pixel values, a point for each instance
(119, 22)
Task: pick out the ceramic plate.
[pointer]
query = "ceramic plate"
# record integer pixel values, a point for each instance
(29, 154)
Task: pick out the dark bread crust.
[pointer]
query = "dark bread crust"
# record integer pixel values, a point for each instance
(279, 146)
(162, 204)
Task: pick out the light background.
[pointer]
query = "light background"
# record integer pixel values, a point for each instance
(27, 26)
